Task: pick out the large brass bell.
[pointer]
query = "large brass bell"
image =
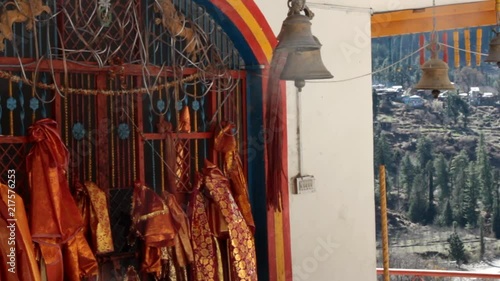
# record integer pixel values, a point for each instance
(494, 53)
(304, 65)
(435, 76)
(296, 33)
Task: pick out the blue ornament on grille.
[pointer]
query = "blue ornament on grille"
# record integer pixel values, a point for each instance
(196, 105)
(160, 104)
(123, 131)
(78, 131)
(11, 103)
(178, 106)
(34, 103)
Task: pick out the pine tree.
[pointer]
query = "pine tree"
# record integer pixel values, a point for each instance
(446, 215)
(383, 153)
(496, 222)
(430, 213)
(457, 249)
(442, 178)
(471, 193)
(459, 165)
(424, 151)
(484, 175)
(418, 206)
(375, 104)
(496, 207)
(481, 238)
(407, 173)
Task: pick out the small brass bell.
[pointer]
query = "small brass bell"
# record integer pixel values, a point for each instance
(296, 33)
(435, 76)
(494, 53)
(304, 65)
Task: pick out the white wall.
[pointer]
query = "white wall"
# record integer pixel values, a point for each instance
(333, 230)
(384, 5)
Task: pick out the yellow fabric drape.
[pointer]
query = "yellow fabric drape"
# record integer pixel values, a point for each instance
(205, 259)
(479, 41)
(456, 50)
(93, 206)
(241, 241)
(467, 47)
(26, 267)
(225, 142)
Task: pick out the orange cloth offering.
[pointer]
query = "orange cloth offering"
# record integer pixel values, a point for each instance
(18, 262)
(55, 218)
(151, 221)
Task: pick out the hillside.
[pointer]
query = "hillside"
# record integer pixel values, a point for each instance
(403, 127)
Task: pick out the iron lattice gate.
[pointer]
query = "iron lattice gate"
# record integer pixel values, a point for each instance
(115, 78)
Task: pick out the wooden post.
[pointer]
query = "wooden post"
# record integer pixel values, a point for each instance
(383, 215)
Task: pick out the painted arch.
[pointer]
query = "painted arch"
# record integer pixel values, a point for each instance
(251, 34)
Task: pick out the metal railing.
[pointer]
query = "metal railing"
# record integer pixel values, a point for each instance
(418, 274)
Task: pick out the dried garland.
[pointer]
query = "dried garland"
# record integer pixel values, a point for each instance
(140, 91)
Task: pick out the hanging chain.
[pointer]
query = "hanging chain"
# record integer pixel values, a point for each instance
(433, 16)
(434, 46)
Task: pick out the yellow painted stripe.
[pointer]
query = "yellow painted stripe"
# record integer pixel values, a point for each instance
(467, 47)
(254, 26)
(280, 246)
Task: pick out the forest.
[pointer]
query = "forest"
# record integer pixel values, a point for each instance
(442, 159)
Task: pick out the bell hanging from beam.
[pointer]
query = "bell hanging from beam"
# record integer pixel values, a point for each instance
(434, 73)
(296, 33)
(494, 53)
(304, 65)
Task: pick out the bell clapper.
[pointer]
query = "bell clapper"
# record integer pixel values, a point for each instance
(435, 93)
(300, 84)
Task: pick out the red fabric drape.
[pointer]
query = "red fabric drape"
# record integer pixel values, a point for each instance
(276, 122)
(445, 48)
(422, 51)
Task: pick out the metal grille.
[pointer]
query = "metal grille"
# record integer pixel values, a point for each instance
(20, 106)
(115, 139)
(79, 128)
(94, 32)
(13, 155)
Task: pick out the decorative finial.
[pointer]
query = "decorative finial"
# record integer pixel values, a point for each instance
(297, 6)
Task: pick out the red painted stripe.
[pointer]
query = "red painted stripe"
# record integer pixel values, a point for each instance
(285, 191)
(252, 7)
(238, 21)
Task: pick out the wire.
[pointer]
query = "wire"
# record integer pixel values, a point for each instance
(371, 73)
(464, 50)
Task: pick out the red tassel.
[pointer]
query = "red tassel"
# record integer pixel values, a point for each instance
(445, 48)
(422, 51)
(274, 131)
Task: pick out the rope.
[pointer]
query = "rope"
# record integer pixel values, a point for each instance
(53, 87)
(383, 214)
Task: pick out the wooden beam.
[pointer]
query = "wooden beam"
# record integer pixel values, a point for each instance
(421, 20)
